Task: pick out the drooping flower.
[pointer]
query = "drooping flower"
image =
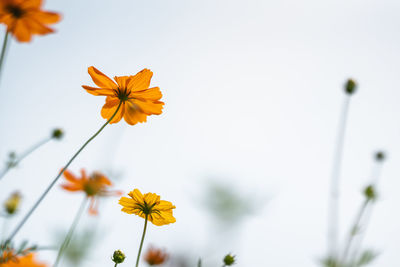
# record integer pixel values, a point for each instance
(149, 206)
(24, 18)
(155, 256)
(95, 185)
(131, 94)
(24, 261)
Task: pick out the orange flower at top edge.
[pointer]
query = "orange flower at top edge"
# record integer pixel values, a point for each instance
(24, 261)
(131, 94)
(24, 18)
(95, 185)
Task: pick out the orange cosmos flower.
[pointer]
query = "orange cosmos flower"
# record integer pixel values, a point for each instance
(155, 256)
(95, 185)
(24, 18)
(24, 261)
(131, 94)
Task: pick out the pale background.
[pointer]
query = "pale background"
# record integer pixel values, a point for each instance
(253, 91)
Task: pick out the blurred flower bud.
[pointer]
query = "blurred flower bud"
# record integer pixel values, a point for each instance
(369, 192)
(11, 205)
(57, 133)
(380, 156)
(118, 257)
(350, 86)
(155, 256)
(229, 260)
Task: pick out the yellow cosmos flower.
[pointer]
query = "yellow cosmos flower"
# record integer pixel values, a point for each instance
(24, 261)
(149, 206)
(24, 18)
(129, 96)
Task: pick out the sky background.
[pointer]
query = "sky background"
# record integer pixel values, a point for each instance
(253, 92)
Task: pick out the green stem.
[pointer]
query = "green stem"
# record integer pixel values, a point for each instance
(141, 242)
(333, 210)
(24, 155)
(57, 177)
(70, 232)
(115, 264)
(353, 231)
(3, 50)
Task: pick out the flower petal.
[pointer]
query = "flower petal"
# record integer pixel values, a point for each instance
(109, 109)
(153, 93)
(122, 81)
(141, 81)
(46, 17)
(21, 31)
(136, 195)
(149, 107)
(99, 91)
(133, 113)
(100, 79)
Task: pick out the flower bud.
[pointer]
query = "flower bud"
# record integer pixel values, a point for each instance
(369, 192)
(350, 86)
(380, 156)
(229, 260)
(11, 205)
(57, 133)
(118, 257)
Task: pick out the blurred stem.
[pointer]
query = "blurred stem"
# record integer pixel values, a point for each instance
(115, 264)
(58, 176)
(353, 230)
(3, 50)
(24, 155)
(71, 231)
(141, 242)
(333, 210)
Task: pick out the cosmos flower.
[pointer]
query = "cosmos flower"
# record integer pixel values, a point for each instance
(155, 256)
(23, 261)
(148, 206)
(95, 185)
(12, 203)
(129, 96)
(24, 18)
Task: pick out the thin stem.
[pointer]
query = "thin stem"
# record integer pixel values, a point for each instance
(115, 264)
(141, 242)
(24, 155)
(70, 232)
(58, 176)
(333, 210)
(3, 50)
(353, 231)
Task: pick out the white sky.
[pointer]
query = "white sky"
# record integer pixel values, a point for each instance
(253, 91)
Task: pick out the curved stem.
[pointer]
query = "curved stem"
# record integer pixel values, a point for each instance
(3, 50)
(24, 155)
(58, 176)
(141, 242)
(70, 232)
(333, 210)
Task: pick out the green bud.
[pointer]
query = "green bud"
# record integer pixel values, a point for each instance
(350, 86)
(229, 260)
(380, 156)
(118, 257)
(369, 192)
(57, 133)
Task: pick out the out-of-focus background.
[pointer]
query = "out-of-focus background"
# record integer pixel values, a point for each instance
(244, 147)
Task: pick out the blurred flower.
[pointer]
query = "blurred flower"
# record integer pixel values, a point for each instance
(118, 257)
(8, 254)
(24, 261)
(229, 260)
(131, 94)
(11, 205)
(24, 18)
(155, 256)
(95, 185)
(149, 205)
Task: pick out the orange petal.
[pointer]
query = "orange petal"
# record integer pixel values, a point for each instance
(71, 187)
(122, 81)
(99, 91)
(149, 107)
(46, 17)
(141, 81)
(21, 31)
(100, 79)
(37, 27)
(149, 94)
(70, 177)
(31, 4)
(109, 109)
(133, 113)
(93, 206)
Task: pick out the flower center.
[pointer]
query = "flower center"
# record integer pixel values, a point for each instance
(123, 94)
(16, 11)
(146, 208)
